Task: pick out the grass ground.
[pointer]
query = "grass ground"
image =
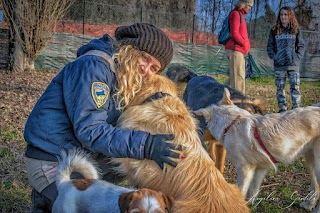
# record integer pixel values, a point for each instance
(281, 191)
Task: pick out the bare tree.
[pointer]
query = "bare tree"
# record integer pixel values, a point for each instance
(304, 13)
(33, 23)
(257, 2)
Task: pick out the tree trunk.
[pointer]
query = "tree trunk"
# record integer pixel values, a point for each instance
(19, 58)
(31, 22)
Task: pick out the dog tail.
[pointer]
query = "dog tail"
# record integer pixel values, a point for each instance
(75, 160)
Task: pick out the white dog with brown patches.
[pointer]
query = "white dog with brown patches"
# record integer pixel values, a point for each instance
(98, 196)
(255, 143)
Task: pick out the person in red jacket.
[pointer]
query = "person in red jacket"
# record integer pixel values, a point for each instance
(238, 45)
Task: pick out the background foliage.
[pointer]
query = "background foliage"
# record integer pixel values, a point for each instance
(193, 16)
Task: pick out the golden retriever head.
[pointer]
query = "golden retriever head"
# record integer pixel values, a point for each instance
(159, 83)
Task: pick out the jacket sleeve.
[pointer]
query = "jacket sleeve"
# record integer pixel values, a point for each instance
(89, 120)
(234, 24)
(300, 45)
(271, 45)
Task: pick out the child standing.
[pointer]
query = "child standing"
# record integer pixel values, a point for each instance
(286, 48)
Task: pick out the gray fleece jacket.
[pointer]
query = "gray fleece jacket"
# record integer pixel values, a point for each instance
(286, 50)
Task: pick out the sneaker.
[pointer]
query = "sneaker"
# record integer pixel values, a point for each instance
(281, 110)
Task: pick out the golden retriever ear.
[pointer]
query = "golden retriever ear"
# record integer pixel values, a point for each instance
(124, 201)
(226, 100)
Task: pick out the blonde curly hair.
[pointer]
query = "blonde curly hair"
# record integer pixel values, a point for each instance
(129, 80)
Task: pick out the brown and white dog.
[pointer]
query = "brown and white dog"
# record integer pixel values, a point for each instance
(98, 196)
(255, 143)
(195, 184)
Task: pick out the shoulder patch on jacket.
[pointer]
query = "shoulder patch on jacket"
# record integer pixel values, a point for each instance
(100, 93)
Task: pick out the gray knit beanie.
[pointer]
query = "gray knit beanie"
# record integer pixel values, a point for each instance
(148, 38)
(247, 2)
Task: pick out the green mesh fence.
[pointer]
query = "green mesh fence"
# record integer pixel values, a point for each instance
(194, 44)
(204, 59)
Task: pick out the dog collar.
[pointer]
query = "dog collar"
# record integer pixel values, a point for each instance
(257, 137)
(228, 127)
(155, 96)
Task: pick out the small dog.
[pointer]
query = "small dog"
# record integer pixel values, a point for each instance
(202, 91)
(195, 184)
(255, 143)
(98, 196)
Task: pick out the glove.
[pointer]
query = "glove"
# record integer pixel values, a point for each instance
(156, 148)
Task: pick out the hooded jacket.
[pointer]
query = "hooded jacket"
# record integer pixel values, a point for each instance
(239, 40)
(286, 50)
(77, 110)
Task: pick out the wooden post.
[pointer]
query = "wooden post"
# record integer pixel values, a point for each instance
(193, 22)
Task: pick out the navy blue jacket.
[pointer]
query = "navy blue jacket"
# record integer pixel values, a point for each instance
(286, 50)
(68, 114)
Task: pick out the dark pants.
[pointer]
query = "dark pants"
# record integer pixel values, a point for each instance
(43, 202)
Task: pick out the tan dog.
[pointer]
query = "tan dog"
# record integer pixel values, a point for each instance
(255, 143)
(195, 184)
(98, 196)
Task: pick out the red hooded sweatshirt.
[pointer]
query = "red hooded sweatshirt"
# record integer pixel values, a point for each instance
(239, 40)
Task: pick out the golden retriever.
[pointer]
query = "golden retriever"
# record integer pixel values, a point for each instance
(195, 184)
(255, 143)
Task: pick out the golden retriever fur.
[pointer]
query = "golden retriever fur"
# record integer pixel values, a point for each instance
(255, 143)
(195, 184)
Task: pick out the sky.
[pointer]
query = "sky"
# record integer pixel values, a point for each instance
(274, 4)
(1, 16)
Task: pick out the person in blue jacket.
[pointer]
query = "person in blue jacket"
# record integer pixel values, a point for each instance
(81, 105)
(286, 47)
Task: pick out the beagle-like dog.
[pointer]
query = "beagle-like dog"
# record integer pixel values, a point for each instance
(98, 196)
